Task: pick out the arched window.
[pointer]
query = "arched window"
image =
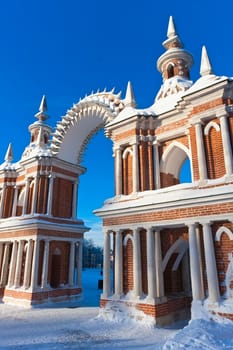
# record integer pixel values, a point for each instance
(170, 70)
(175, 165)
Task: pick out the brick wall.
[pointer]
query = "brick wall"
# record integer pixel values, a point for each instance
(42, 195)
(214, 153)
(62, 198)
(127, 174)
(128, 284)
(171, 214)
(143, 239)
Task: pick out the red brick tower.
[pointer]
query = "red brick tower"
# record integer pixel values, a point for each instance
(172, 243)
(40, 236)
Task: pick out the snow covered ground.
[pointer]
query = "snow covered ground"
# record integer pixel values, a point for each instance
(85, 327)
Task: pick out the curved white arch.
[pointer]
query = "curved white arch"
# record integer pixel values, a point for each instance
(127, 151)
(127, 237)
(179, 247)
(222, 230)
(83, 120)
(173, 158)
(211, 125)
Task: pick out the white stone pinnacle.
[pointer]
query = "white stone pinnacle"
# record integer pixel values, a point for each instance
(129, 96)
(9, 154)
(43, 105)
(206, 67)
(171, 31)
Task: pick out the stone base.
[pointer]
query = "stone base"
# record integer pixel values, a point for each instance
(30, 298)
(164, 313)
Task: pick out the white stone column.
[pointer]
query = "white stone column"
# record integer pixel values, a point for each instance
(137, 268)
(106, 266)
(74, 200)
(80, 263)
(151, 275)
(25, 202)
(1, 254)
(211, 269)
(158, 266)
(118, 171)
(11, 277)
(44, 277)
(35, 195)
(201, 152)
(198, 237)
(50, 195)
(35, 265)
(195, 264)
(28, 264)
(156, 164)
(5, 264)
(2, 199)
(19, 264)
(15, 201)
(227, 147)
(118, 265)
(135, 168)
(71, 264)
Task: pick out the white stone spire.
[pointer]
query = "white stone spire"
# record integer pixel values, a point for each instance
(171, 30)
(9, 154)
(43, 105)
(40, 134)
(206, 67)
(41, 115)
(129, 96)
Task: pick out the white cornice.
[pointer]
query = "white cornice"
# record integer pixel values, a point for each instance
(21, 224)
(174, 197)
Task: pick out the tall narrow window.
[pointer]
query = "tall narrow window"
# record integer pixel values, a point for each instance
(170, 71)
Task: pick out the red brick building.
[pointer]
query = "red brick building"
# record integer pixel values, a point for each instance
(40, 236)
(170, 243)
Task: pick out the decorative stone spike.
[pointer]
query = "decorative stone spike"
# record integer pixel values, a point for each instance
(173, 39)
(206, 67)
(41, 115)
(43, 104)
(129, 97)
(171, 31)
(9, 154)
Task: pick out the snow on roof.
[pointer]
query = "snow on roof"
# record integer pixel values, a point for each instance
(204, 82)
(129, 112)
(167, 197)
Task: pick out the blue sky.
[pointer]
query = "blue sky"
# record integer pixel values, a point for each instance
(65, 49)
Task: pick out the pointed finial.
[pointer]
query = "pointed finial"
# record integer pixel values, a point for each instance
(42, 109)
(171, 30)
(43, 105)
(9, 154)
(129, 96)
(206, 67)
(173, 39)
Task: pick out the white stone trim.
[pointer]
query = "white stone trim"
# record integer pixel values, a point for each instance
(222, 230)
(210, 125)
